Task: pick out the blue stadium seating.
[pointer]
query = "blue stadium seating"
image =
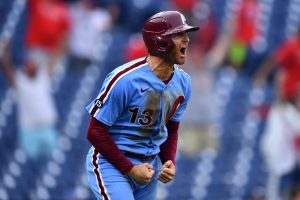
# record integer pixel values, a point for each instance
(232, 122)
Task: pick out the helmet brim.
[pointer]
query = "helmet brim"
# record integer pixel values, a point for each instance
(182, 28)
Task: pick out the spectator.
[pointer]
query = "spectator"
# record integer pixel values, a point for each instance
(47, 31)
(245, 33)
(37, 113)
(287, 57)
(88, 24)
(283, 130)
(281, 144)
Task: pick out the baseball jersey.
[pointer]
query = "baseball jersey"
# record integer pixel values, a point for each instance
(136, 105)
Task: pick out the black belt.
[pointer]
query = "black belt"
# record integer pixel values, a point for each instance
(141, 157)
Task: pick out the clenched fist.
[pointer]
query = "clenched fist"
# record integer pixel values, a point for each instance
(168, 172)
(142, 173)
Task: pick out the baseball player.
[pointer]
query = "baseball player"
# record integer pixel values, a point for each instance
(135, 117)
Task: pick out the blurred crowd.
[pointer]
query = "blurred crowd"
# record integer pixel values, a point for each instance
(70, 33)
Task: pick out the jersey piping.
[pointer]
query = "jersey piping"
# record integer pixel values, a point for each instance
(101, 98)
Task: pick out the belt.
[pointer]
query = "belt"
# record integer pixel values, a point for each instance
(141, 157)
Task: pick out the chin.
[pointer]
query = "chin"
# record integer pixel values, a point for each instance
(180, 61)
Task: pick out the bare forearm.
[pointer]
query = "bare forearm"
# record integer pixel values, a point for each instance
(266, 69)
(8, 67)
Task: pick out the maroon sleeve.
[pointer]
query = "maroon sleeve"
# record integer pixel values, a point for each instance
(99, 137)
(169, 147)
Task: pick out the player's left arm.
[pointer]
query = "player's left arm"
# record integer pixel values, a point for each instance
(169, 147)
(168, 153)
(168, 172)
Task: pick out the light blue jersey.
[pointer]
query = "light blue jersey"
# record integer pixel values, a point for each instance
(136, 105)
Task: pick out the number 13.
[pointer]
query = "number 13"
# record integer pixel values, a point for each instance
(146, 118)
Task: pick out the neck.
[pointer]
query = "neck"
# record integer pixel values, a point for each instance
(162, 69)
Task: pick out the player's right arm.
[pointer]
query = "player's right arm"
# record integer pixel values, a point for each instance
(99, 137)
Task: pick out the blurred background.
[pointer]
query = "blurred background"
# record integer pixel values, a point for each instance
(240, 137)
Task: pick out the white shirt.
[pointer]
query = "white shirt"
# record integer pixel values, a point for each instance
(283, 125)
(35, 102)
(87, 27)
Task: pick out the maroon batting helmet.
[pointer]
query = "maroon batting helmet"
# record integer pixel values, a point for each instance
(159, 26)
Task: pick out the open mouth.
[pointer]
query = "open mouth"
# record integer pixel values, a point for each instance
(183, 51)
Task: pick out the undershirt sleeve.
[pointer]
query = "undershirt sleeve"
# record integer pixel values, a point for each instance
(98, 136)
(169, 147)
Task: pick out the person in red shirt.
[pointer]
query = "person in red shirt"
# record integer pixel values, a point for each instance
(287, 56)
(245, 32)
(282, 128)
(246, 21)
(48, 27)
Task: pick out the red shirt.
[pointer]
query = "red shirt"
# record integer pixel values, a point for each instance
(185, 5)
(246, 21)
(135, 49)
(48, 23)
(288, 56)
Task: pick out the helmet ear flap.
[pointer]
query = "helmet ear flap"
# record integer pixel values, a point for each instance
(164, 44)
